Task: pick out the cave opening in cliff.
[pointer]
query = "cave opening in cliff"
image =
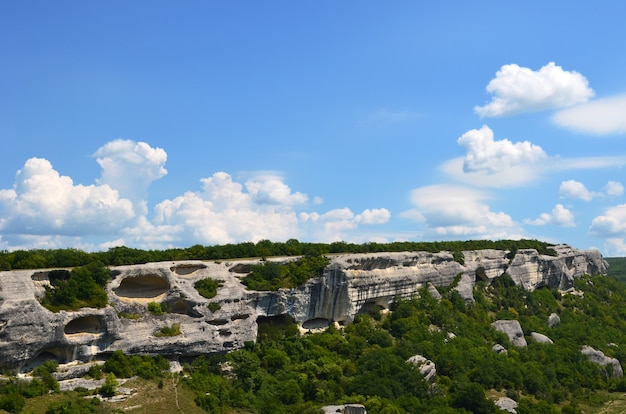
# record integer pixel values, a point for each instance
(142, 287)
(182, 307)
(85, 324)
(48, 354)
(316, 323)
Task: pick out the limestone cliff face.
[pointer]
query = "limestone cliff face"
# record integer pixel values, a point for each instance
(351, 283)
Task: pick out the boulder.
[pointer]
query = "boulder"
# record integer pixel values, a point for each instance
(541, 338)
(465, 287)
(499, 349)
(426, 366)
(613, 366)
(513, 330)
(507, 404)
(553, 320)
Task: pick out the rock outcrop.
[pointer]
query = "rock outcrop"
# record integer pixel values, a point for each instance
(513, 330)
(351, 283)
(426, 366)
(553, 320)
(507, 404)
(614, 368)
(541, 338)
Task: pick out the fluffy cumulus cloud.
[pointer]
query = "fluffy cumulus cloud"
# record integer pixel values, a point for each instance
(43, 202)
(576, 190)
(491, 156)
(47, 210)
(518, 89)
(270, 189)
(559, 216)
(611, 224)
(338, 224)
(496, 163)
(227, 211)
(599, 117)
(454, 211)
(130, 167)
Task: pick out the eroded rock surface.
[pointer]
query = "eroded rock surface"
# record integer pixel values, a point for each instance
(541, 338)
(614, 368)
(426, 366)
(513, 330)
(30, 334)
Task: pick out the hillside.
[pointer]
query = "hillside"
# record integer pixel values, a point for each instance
(290, 369)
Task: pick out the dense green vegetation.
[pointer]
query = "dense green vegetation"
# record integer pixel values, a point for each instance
(39, 258)
(617, 267)
(364, 362)
(274, 275)
(208, 287)
(81, 287)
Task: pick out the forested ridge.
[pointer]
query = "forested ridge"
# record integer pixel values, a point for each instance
(115, 256)
(289, 371)
(292, 371)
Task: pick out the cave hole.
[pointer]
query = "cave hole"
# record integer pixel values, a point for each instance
(142, 287)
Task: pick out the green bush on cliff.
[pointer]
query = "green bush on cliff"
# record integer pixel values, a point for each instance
(273, 275)
(208, 287)
(79, 288)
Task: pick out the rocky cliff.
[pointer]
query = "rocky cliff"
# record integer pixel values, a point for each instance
(351, 283)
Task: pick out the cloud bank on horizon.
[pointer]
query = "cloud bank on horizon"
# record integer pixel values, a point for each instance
(198, 129)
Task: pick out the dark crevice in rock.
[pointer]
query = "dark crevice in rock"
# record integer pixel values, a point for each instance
(85, 324)
(187, 269)
(149, 286)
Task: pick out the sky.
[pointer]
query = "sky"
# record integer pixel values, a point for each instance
(156, 124)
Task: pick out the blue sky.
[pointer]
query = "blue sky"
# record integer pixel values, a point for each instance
(155, 124)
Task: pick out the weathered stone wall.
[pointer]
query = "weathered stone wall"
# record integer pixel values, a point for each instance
(29, 333)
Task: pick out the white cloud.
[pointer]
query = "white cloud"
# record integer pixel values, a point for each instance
(43, 202)
(576, 190)
(130, 167)
(373, 216)
(599, 117)
(559, 216)
(615, 247)
(226, 211)
(614, 188)
(518, 89)
(269, 189)
(339, 224)
(504, 164)
(612, 224)
(486, 154)
(453, 211)
(491, 163)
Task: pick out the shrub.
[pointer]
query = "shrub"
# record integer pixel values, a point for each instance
(173, 330)
(214, 306)
(208, 287)
(110, 386)
(157, 308)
